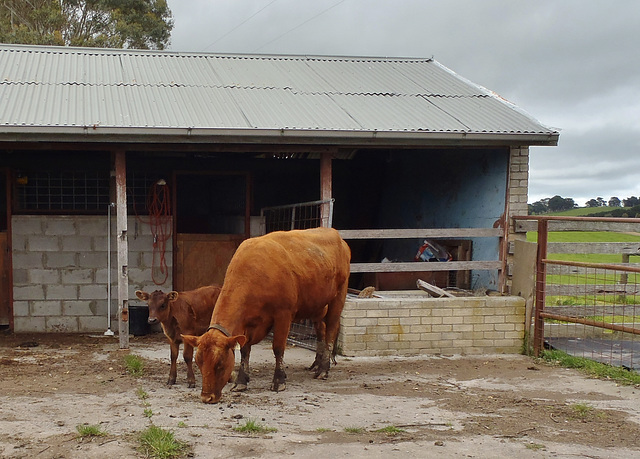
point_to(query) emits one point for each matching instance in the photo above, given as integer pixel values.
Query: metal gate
(302, 215)
(588, 309)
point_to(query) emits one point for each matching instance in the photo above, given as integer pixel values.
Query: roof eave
(97, 134)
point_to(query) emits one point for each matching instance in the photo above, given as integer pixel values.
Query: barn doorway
(5, 249)
(211, 219)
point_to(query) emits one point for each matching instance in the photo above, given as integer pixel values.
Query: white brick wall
(60, 271)
(417, 324)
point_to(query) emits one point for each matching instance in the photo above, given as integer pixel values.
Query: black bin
(138, 316)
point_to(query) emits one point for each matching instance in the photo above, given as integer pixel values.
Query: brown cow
(181, 312)
(271, 281)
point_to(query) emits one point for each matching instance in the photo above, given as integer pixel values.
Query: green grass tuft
(354, 430)
(85, 430)
(156, 442)
(592, 368)
(253, 426)
(134, 365)
(391, 430)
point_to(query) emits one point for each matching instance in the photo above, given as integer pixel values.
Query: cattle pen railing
(587, 294)
(427, 233)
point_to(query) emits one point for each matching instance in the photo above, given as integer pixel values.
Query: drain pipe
(109, 332)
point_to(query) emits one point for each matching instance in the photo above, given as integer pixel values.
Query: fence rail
(424, 233)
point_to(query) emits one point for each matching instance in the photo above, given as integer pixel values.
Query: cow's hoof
(171, 382)
(191, 385)
(278, 387)
(239, 388)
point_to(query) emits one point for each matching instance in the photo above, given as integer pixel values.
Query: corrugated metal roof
(51, 89)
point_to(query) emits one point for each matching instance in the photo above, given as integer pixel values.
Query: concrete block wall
(60, 275)
(417, 324)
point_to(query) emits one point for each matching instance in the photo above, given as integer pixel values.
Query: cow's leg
(187, 354)
(280, 334)
(173, 371)
(242, 379)
(332, 320)
(321, 329)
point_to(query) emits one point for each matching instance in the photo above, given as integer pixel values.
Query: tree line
(135, 24)
(558, 204)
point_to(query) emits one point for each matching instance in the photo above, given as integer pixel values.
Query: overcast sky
(573, 64)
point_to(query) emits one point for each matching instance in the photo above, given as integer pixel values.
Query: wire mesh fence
(592, 310)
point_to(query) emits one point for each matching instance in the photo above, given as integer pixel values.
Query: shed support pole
(123, 248)
(325, 186)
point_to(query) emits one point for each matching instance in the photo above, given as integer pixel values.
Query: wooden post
(325, 185)
(541, 275)
(123, 248)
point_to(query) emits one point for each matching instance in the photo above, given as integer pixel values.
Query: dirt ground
(446, 406)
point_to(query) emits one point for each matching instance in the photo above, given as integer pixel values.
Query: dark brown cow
(271, 281)
(181, 312)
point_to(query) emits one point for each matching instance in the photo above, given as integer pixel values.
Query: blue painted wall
(445, 189)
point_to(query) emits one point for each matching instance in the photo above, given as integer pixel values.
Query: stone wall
(60, 273)
(410, 323)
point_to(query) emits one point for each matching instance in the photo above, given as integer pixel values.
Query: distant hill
(600, 212)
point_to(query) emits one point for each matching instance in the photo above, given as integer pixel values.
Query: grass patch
(253, 426)
(142, 394)
(85, 430)
(354, 430)
(323, 430)
(148, 413)
(391, 430)
(581, 410)
(156, 442)
(592, 368)
(134, 365)
(534, 446)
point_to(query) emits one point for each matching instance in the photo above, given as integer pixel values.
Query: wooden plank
(423, 266)
(524, 281)
(123, 249)
(433, 290)
(433, 233)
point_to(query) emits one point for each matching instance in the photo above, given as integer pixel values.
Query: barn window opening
(69, 191)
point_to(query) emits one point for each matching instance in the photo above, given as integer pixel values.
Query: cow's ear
(172, 296)
(144, 296)
(239, 339)
(191, 340)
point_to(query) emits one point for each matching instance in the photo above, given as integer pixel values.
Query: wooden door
(202, 259)
(211, 220)
(5, 249)
(5, 297)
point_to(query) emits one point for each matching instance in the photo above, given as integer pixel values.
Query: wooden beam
(417, 266)
(421, 233)
(123, 248)
(326, 186)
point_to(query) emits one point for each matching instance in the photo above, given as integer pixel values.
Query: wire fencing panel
(592, 310)
(302, 215)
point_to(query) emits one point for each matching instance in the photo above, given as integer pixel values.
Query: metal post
(123, 249)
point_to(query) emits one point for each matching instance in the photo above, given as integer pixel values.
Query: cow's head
(215, 358)
(159, 304)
